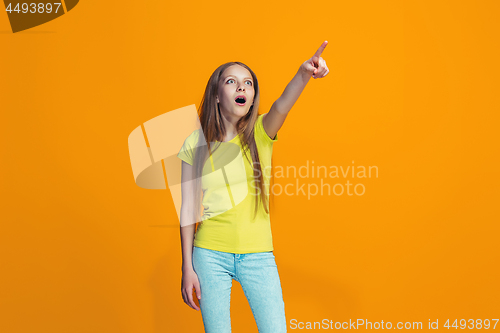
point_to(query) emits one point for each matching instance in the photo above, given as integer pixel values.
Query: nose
(241, 88)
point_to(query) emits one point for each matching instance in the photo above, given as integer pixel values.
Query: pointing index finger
(320, 50)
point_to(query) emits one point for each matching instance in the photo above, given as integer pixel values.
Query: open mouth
(240, 100)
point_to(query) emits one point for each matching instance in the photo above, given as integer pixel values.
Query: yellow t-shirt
(227, 222)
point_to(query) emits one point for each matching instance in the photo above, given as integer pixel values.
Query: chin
(244, 113)
(241, 112)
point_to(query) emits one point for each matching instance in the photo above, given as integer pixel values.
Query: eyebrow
(235, 76)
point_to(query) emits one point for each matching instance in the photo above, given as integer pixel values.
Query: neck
(230, 126)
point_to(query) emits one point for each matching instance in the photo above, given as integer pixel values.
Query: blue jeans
(258, 276)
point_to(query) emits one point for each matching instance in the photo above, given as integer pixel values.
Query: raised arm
(315, 67)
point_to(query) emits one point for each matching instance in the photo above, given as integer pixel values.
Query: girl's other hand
(316, 66)
(190, 281)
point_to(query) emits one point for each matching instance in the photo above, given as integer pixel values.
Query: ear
(217, 99)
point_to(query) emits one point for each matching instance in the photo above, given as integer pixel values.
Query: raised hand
(316, 66)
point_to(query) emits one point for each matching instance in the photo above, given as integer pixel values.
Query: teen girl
(233, 240)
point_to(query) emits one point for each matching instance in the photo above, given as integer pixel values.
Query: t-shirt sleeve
(261, 133)
(188, 148)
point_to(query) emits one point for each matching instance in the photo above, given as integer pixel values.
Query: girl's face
(236, 91)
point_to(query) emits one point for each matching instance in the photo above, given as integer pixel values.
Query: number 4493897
(33, 8)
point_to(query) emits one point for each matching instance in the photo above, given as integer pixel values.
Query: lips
(240, 100)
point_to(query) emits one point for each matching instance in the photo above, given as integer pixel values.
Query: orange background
(412, 89)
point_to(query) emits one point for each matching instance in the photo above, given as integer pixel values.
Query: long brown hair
(214, 130)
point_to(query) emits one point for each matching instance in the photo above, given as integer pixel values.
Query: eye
(250, 82)
(229, 80)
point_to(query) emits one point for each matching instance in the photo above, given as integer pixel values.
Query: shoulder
(259, 121)
(188, 148)
(260, 132)
(192, 141)
(193, 138)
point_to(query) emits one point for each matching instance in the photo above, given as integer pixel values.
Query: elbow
(280, 107)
